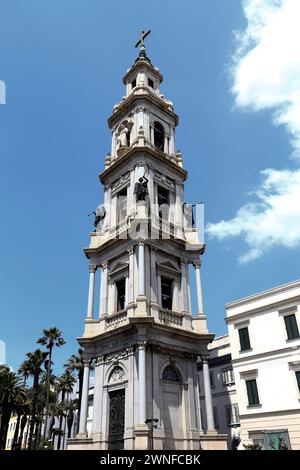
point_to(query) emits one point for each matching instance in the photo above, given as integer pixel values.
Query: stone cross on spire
(140, 42)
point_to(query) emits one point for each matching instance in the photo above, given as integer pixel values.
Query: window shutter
(291, 326)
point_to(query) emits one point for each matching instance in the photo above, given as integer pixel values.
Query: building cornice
(133, 151)
(264, 294)
(268, 355)
(141, 93)
(270, 307)
(269, 413)
(141, 64)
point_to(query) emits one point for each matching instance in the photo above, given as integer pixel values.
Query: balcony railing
(168, 317)
(115, 319)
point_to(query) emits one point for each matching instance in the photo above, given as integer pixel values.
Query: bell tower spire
(143, 340)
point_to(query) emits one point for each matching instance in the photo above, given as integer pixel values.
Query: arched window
(117, 375)
(159, 136)
(170, 374)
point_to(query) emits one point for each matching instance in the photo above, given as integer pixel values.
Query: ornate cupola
(144, 340)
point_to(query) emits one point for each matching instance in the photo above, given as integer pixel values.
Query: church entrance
(116, 419)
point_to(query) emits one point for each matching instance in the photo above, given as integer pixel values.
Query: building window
(291, 326)
(150, 83)
(297, 373)
(133, 84)
(163, 200)
(252, 392)
(232, 414)
(159, 135)
(121, 288)
(244, 339)
(271, 440)
(212, 379)
(170, 374)
(216, 418)
(166, 293)
(122, 205)
(227, 376)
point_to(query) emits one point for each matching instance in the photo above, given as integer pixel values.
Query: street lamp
(152, 423)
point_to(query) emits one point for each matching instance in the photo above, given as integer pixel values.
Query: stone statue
(141, 189)
(122, 140)
(99, 214)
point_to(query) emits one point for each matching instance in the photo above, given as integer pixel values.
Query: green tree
(70, 408)
(11, 392)
(75, 364)
(65, 386)
(24, 371)
(22, 408)
(36, 361)
(51, 337)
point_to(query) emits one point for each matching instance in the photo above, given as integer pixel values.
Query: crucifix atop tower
(141, 42)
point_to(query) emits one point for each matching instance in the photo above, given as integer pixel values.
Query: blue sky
(63, 62)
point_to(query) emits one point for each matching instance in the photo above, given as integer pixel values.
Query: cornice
(264, 294)
(136, 97)
(270, 307)
(139, 65)
(137, 150)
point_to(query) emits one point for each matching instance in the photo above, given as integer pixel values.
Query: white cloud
(266, 75)
(267, 63)
(273, 219)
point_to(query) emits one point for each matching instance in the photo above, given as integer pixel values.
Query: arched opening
(171, 374)
(159, 135)
(172, 406)
(116, 375)
(116, 409)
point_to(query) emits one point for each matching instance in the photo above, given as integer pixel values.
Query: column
(107, 205)
(184, 296)
(153, 274)
(131, 195)
(141, 267)
(198, 401)
(197, 265)
(90, 307)
(84, 397)
(207, 394)
(130, 252)
(97, 403)
(142, 381)
(172, 141)
(179, 205)
(103, 290)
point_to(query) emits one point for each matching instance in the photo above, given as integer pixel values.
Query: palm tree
(22, 407)
(35, 360)
(70, 408)
(24, 371)
(51, 338)
(65, 385)
(75, 363)
(11, 392)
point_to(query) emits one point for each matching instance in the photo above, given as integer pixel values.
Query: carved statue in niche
(141, 189)
(122, 137)
(123, 134)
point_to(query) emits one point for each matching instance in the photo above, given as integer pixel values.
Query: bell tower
(142, 340)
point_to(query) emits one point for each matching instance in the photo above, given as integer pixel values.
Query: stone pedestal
(199, 324)
(141, 434)
(213, 442)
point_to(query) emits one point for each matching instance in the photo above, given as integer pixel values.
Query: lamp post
(152, 423)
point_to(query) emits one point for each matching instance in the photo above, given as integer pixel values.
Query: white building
(265, 349)
(144, 340)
